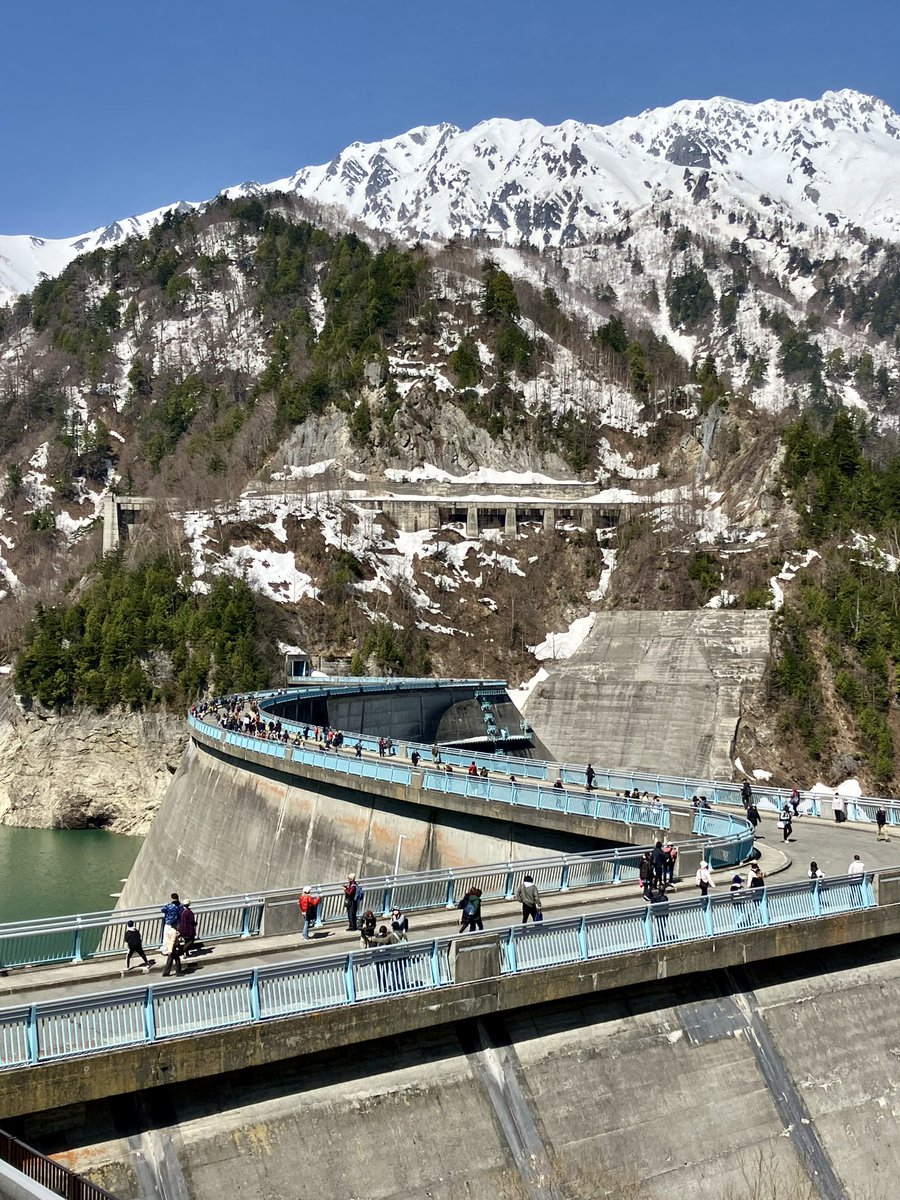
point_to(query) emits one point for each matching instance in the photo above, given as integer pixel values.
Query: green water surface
(51, 872)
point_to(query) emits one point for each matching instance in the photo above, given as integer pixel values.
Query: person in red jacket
(309, 907)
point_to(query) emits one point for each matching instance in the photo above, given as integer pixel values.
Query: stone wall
(87, 769)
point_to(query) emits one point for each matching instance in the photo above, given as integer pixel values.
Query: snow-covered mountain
(25, 259)
(830, 164)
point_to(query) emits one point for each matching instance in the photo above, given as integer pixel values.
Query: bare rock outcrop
(85, 769)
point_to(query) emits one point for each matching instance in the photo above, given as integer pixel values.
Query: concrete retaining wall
(404, 713)
(654, 691)
(639, 1082)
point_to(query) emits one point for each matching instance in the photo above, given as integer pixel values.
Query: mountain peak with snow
(831, 163)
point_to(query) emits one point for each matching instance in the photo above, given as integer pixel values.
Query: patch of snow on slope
(873, 554)
(268, 572)
(34, 481)
(308, 472)
(609, 565)
(563, 645)
(519, 695)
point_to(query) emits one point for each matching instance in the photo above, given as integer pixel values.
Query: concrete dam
(716, 1066)
(228, 827)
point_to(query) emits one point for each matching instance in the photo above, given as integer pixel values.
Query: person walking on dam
(471, 911)
(135, 946)
(881, 822)
(589, 776)
(530, 898)
(172, 911)
(705, 880)
(353, 895)
(171, 947)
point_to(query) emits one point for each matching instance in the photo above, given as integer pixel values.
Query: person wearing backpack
(353, 897)
(530, 899)
(471, 911)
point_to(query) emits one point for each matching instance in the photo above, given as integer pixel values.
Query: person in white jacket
(704, 878)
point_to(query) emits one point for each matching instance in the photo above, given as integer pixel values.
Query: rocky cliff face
(88, 769)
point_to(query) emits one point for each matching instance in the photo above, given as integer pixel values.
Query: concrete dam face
(767, 1081)
(225, 829)
(654, 691)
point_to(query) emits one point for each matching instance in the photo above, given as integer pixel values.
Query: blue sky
(113, 109)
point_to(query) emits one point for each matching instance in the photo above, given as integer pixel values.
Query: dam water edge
(52, 872)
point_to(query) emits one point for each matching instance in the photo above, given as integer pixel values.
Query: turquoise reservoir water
(49, 872)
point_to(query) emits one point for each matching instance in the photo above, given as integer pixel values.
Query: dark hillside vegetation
(838, 635)
(137, 637)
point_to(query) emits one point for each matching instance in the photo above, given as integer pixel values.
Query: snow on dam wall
(655, 691)
(228, 827)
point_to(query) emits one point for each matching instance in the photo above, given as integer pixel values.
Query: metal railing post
(245, 919)
(511, 958)
(32, 1035)
(254, 995)
(349, 980)
(76, 944)
(451, 893)
(564, 878)
(706, 901)
(507, 887)
(648, 927)
(435, 963)
(816, 899)
(582, 938)
(149, 1016)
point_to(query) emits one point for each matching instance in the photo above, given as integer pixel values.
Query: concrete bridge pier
(588, 518)
(472, 521)
(549, 519)
(510, 525)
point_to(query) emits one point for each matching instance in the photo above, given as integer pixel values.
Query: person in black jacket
(471, 911)
(187, 927)
(659, 860)
(135, 946)
(645, 874)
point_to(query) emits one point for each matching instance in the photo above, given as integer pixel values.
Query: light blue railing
(48, 1031)
(81, 936)
(100, 935)
(766, 799)
(527, 794)
(610, 779)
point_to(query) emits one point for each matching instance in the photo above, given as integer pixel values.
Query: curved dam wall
(229, 825)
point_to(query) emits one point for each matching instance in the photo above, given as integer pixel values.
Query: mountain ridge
(830, 165)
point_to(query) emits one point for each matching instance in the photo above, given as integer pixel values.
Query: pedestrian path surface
(831, 846)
